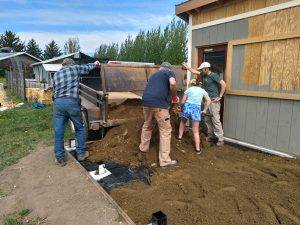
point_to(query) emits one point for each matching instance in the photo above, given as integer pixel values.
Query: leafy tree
(139, 47)
(155, 45)
(34, 49)
(72, 45)
(126, 49)
(12, 40)
(112, 51)
(52, 50)
(109, 52)
(101, 51)
(175, 35)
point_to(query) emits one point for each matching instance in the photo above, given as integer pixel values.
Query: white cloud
(88, 41)
(51, 17)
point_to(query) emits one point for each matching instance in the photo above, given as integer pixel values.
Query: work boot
(83, 157)
(61, 162)
(172, 163)
(209, 139)
(220, 143)
(141, 156)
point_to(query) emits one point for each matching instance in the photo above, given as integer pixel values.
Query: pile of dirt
(227, 185)
(128, 109)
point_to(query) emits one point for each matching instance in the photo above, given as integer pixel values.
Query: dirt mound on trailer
(227, 185)
(128, 109)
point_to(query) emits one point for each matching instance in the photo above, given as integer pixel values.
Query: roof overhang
(52, 67)
(183, 10)
(18, 54)
(75, 55)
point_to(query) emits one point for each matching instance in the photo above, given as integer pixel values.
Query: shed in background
(44, 71)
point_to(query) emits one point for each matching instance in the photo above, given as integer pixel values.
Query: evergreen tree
(72, 45)
(34, 49)
(12, 40)
(51, 50)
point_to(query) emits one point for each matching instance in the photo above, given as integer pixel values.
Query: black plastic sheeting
(121, 174)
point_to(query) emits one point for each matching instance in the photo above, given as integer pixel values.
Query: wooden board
(256, 26)
(255, 63)
(264, 94)
(290, 60)
(247, 65)
(284, 48)
(231, 8)
(266, 50)
(277, 64)
(265, 64)
(297, 78)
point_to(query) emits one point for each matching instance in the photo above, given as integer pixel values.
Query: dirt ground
(60, 196)
(227, 185)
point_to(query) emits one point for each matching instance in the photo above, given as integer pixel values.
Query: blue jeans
(65, 109)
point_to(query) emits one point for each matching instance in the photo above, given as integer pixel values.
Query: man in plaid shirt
(67, 106)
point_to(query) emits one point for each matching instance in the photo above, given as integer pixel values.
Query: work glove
(175, 99)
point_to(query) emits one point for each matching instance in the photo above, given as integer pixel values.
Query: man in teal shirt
(215, 86)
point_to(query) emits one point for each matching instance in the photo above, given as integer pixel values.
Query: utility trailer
(110, 82)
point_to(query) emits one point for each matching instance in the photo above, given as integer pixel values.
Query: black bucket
(159, 218)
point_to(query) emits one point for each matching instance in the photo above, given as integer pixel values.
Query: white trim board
(260, 148)
(189, 44)
(257, 12)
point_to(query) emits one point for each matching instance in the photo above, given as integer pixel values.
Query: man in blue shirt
(66, 106)
(160, 91)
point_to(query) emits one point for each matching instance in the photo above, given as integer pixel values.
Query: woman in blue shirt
(191, 110)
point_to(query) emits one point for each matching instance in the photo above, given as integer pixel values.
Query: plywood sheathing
(267, 47)
(251, 68)
(273, 63)
(231, 8)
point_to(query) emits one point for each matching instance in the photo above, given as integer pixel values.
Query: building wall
(221, 33)
(268, 122)
(271, 123)
(231, 8)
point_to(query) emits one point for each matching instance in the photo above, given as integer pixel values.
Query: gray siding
(271, 123)
(220, 33)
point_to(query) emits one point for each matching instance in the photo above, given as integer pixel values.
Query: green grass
(11, 96)
(3, 194)
(19, 218)
(16, 218)
(2, 80)
(21, 129)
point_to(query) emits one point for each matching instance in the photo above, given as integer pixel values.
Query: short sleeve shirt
(195, 95)
(211, 84)
(157, 92)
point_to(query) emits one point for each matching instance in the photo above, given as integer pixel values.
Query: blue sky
(93, 22)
